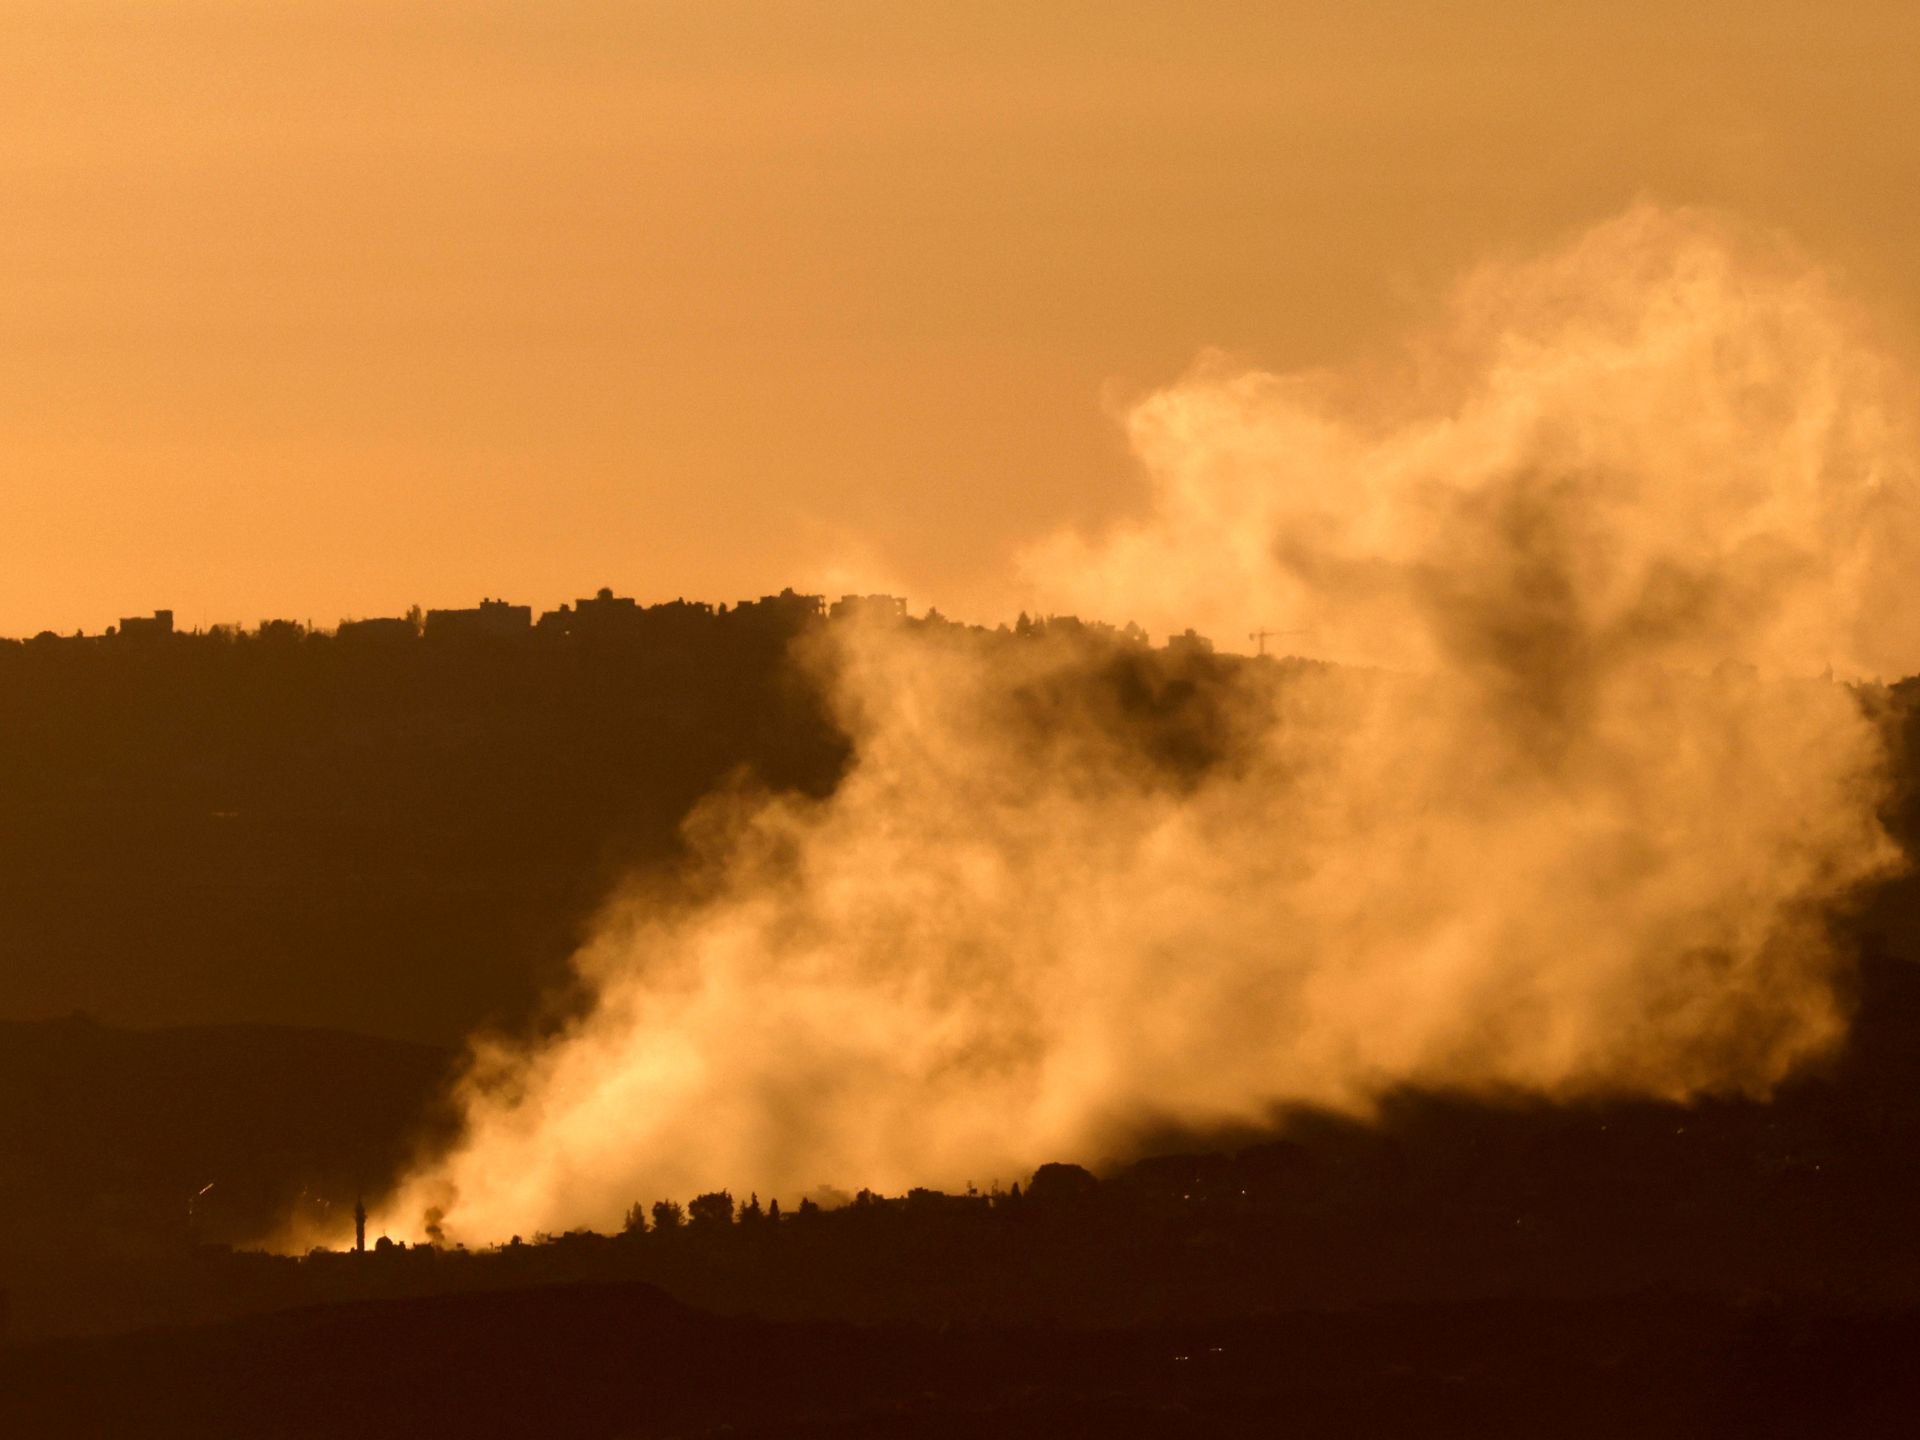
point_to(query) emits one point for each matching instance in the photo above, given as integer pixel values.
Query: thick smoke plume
(1568, 815)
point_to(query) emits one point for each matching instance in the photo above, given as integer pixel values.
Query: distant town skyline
(603, 600)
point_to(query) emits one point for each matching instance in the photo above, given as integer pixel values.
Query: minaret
(359, 1227)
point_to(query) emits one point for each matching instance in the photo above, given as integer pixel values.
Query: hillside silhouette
(406, 831)
(402, 834)
(406, 827)
(121, 1152)
(1804, 1198)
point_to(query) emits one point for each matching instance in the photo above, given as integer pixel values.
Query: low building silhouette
(600, 614)
(157, 626)
(382, 630)
(604, 607)
(787, 608)
(1189, 642)
(869, 607)
(489, 620)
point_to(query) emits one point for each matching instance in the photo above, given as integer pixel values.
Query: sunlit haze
(322, 309)
(807, 718)
(1570, 818)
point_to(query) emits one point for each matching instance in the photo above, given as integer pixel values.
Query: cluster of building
(601, 614)
(157, 626)
(605, 616)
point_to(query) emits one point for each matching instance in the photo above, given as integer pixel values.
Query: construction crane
(1260, 637)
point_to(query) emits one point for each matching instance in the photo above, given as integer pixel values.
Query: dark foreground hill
(1808, 1197)
(411, 839)
(334, 832)
(110, 1140)
(397, 839)
(625, 1361)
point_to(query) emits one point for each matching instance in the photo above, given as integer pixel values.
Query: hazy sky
(320, 309)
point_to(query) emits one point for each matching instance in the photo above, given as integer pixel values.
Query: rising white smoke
(1568, 817)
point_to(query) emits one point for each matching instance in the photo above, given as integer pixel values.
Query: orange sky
(323, 307)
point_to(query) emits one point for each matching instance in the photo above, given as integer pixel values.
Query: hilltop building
(776, 617)
(600, 614)
(869, 607)
(158, 626)
(789, 607)
(1189, 642)
(381, 630)
(605, 608)
(489, 620)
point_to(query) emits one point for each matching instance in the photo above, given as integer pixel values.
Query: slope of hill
(109, 1139)
(606, 1361)
(395, 840)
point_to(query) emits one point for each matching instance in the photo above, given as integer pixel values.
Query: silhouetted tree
(636, 1221)
(1059, 1183)
(712, 1211)
(667, 1215)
